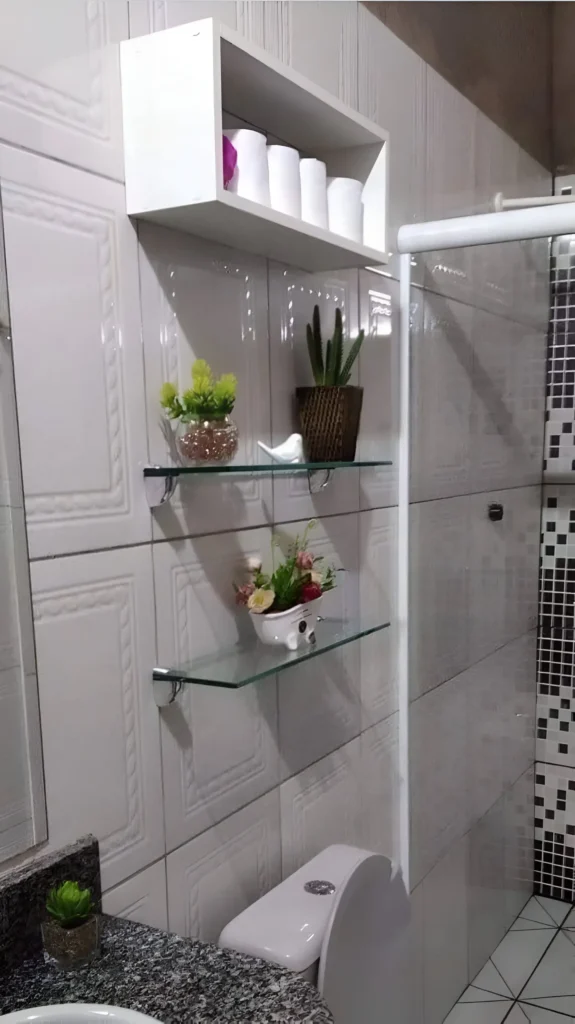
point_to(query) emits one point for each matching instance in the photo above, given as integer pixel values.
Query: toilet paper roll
(250, 179)
(344, 207)
(313, 178)
(285, 189)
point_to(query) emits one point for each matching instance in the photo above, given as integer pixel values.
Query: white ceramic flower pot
(291, 629)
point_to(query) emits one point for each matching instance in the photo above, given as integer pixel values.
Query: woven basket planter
(329, 419)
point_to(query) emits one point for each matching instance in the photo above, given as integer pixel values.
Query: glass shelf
(161, 481)
(273, 467)
(241, 665)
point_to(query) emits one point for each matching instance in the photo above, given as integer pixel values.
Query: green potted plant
(71, 933)
(206, 433)
(330, 412)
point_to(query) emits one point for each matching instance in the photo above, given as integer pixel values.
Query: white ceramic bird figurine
(291, 450)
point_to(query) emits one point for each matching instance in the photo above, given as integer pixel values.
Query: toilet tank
(288, 924)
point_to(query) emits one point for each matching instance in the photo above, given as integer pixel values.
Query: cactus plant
(330, 370)
(70, 905)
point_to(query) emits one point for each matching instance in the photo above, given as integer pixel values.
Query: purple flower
(230, 160)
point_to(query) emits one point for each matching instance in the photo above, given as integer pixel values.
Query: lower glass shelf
(246, 664)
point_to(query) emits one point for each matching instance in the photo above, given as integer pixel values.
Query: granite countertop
(178, 981)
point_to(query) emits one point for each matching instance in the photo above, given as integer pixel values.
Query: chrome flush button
(320, 888)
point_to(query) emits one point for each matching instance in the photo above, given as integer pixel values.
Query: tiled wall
(202, 807)
(555, 771)
(478, 397)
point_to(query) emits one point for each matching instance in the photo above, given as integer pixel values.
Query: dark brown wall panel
(564, 87)
(496, 54)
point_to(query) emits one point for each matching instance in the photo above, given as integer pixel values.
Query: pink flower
(304, 560)
(244, 593)
(230, 160)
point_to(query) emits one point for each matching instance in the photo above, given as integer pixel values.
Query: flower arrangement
(207, 399)
(298, 579)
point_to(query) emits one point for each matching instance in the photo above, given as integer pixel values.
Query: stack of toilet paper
(276, 176)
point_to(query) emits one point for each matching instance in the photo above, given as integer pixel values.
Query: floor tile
(521, 924)
(536, 912)
(517, 1016)
(557, 909)
(480, 1013)
(555, 975)
(539, 1015)
(562, 1004)
(479, 995)
(517, 956)
(569, 921)
(490, 980)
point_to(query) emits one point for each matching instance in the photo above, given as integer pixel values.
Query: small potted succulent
(284, 604)
(330, 412)
(206, 433)
(71, 933)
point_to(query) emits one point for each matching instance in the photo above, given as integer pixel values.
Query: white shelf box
(180, 88)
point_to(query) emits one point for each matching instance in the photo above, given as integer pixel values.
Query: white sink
(77, 1013)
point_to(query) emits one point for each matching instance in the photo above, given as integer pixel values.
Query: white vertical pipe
(403, 558)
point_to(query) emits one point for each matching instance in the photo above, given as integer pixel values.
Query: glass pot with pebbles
(71, 932)
(206, 435)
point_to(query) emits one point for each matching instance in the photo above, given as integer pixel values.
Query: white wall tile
(292, 296)
(438, 756)
(61, 82)
(450, 189)
(73, 280)
(392, 93)
(532, 265)
(497, 442)
(216, 876)
(496, 170)
(519, 837)
(94, 617)
(508, 379)
(503, 576)
(219, 747)
(378, 603)
(319, 702)
(381, 788)
(442, 376)
(161, 14)
(142, 898)
(201, 300)
(319, 39)
(445, 970)
(440, 593)
(321, 806)
(379, 377)
(487, 919)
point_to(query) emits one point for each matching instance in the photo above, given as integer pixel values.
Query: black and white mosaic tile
(560, 414)
(555, 735)
(554, 870)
